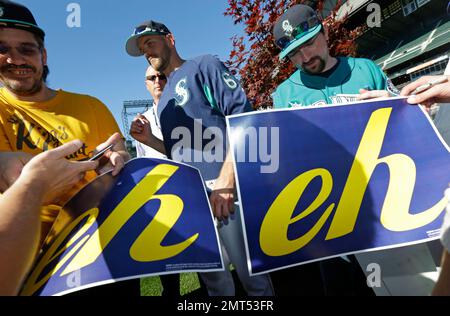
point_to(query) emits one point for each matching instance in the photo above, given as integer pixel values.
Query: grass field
(151, 286)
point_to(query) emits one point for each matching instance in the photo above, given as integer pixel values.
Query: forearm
(227, 171)
(442, 287)
(19, 232)
(156, 144)
(222, 195)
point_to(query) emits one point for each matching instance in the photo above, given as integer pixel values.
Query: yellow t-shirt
(34, 127)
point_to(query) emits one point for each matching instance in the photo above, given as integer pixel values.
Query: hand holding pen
(100, 153)
(428, 90)
(111, 155)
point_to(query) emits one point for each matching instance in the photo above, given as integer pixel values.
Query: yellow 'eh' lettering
(273, 234)
(395, 215)
(140, 195)
(33, 284)
(89, 248)
(148, 245)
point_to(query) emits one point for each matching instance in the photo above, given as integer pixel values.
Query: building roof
(435, 38)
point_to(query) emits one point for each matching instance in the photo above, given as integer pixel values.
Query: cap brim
(23, 26)
(132, 46)
(310, 34)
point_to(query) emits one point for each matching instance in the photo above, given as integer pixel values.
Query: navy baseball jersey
(192, 111)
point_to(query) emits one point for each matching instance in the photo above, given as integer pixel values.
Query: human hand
(222, 198)
(141, 129)
(372, 94)
(436, 93)
(52, 173)
(11, 165)
(115, 158)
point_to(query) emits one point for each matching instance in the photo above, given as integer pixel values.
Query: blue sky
(92, 59)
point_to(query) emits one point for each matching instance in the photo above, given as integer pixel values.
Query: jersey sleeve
(379, 77)
(277, 100)
(221, 88)
(383, 82)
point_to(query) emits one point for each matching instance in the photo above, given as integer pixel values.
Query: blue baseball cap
(145, 28)
(294, 27)
(15, 15)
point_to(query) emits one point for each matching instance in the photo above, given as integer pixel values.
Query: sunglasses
(144, 28)
(152, 78)
(303, 27)
(304, 45)
(23, 49)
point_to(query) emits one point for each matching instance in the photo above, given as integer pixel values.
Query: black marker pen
(101, 152)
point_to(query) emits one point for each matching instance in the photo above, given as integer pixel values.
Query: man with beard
(321, 78)
(199, 93)
(35, 118)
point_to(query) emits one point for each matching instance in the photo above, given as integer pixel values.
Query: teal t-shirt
(352, 74)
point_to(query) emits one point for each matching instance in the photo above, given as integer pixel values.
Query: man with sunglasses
(198, 95)
(143, 127)
(35, 118)
(321, 78)
(147, 123)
